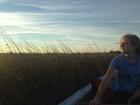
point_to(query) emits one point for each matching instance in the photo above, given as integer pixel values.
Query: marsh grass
(45, 76)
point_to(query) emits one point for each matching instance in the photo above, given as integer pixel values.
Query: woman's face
(126, 46)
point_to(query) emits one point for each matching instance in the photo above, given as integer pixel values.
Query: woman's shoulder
(138, 58)
(116, 62)
(118, 57)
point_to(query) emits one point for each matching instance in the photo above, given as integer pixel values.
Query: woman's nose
(122, 45)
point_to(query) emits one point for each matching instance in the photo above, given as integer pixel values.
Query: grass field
(45, 76)
(47, 79)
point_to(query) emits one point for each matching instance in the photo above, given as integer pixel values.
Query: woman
(123, 74)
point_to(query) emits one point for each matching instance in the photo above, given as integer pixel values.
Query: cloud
(2, 0)
(10, 19)
(80, 20)
(53, 7)
(79, 2)
(26, 23)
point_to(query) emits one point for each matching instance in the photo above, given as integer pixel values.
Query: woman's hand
(95, 101)
(129, 102)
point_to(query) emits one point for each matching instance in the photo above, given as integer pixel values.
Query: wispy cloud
(53, 7)
(83, 20)
(4, 0)
(79, 2)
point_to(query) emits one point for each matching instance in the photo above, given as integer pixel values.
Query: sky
(76, 23)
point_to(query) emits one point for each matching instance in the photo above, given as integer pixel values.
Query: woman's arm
(103, 85)
(134, 96)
